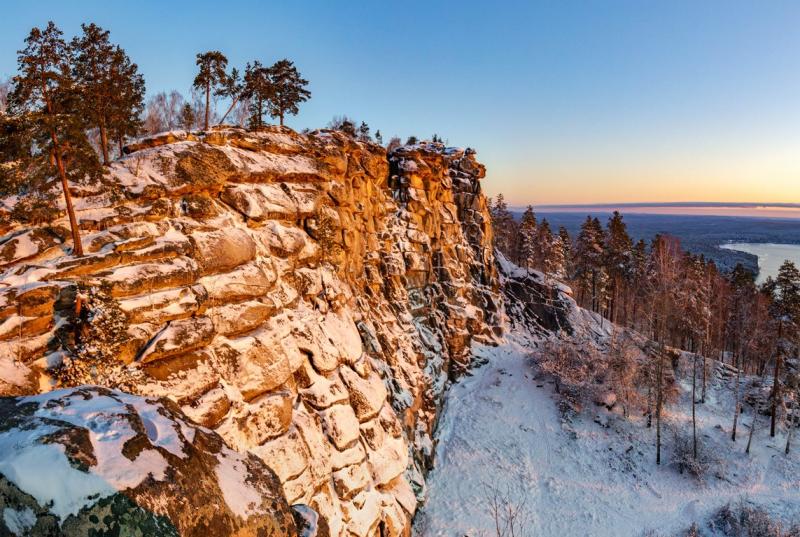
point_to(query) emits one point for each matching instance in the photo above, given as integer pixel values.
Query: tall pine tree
(288, 90)
(46, 96)
(526, 239)
(211, 77)
(112, 90)
(257, 89)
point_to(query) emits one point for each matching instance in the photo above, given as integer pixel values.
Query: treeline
(675, 298)
(72, 104)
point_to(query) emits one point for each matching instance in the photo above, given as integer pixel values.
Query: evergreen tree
(526, 239)
(787, 313)
(566, 250)
(617, 259)
(127, 106)
(589, 261)
(258, 90)
(188, 118)
(211, 76)
(545, 254)
(287, 90)
(787, 292)
(111, 88)
(504, 227)
(363, 132)
(411, 140)
(378, 137)
(45, 95)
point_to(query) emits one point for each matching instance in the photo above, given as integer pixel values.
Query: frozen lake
(770, 256)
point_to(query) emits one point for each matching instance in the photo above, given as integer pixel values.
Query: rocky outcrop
(93, 461)
(307, 297)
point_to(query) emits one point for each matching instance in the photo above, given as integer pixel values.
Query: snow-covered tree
(526, 238)
(504, 226)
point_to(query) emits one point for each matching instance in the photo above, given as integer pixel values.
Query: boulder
(110, 463)
(222, 250)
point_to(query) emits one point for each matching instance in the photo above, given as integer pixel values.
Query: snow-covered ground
(501, 429)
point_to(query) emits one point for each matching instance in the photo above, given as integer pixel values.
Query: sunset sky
(566, 102)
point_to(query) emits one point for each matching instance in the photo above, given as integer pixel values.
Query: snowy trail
(500, 428)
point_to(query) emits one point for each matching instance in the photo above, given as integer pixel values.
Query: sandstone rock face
(308, 297)
(94, 461)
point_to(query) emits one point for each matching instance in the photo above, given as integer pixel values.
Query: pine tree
(257, 89)
(617, 259)
(505, 228)
(112, 90)
(211, 76)
(378, 137)
(188, 118)
(288, 90)
(566, 250)
(589, 261)
(412, 140)
(526, 239)
(45, 94)
(543, 251)
(363, 132)
(127, 106)
(787, 313)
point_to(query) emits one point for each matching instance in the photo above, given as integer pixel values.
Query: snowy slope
(501, 429)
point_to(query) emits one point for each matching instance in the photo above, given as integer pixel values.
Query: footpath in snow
(501, 429)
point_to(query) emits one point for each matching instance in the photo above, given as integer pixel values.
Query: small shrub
(684, 459)
(744, 520)
(100, 329)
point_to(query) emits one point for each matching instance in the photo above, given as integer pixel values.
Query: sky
(618, 101)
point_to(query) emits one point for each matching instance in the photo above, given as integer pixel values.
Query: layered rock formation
(308, 297)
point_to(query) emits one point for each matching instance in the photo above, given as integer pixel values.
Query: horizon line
(678, 204)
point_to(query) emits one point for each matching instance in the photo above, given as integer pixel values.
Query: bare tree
(5, 89)
(507, 505)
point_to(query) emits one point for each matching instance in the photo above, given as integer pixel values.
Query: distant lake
(770, 256)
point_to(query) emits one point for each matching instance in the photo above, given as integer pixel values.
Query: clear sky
(565, 101)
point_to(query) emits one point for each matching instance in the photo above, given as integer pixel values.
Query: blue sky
(566, 102)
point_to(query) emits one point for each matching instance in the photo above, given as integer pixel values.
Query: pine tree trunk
(659, 401)
(119, 143)
(77, 248)
(228, 111)
(752, 428)
(775, 395)
(104, 144)
(703, 390)
(737, 405)
(281, 116)
(791, 429)
(208, 102)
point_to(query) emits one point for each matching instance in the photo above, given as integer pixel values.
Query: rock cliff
(307, 297)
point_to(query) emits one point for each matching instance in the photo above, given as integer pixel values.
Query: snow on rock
(92, 460)
(309, 297)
